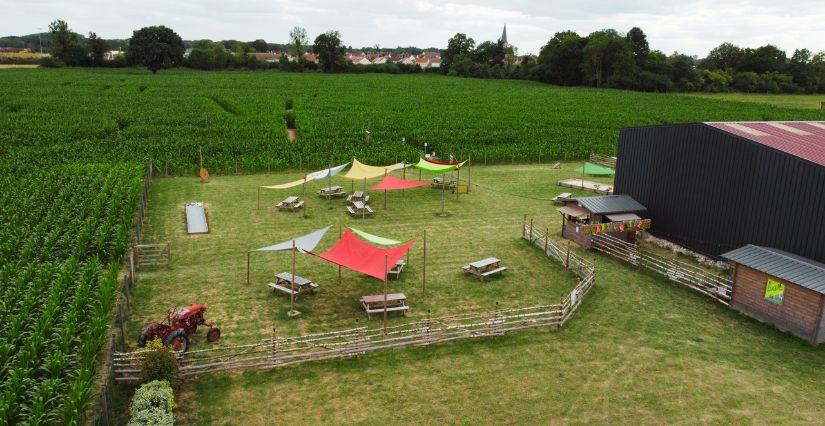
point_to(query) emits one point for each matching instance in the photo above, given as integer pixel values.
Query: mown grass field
(236, 119)
(641, 350)
(785, 101)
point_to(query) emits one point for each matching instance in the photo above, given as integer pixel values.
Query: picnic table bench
(396, 270)
(359, 209)
(485, 267)
(440, 183)
(374, 304)
(353, 199)
(331, 192)
(561, 198)
(290, 203)
(283, 283)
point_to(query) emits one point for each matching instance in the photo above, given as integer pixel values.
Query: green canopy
(595, 170)
(375, 239)
(428, 166)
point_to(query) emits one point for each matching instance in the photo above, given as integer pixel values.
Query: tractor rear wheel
(213, 334)
(177, 340)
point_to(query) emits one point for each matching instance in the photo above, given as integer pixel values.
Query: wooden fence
(152, 254)
(280, 351)
(694, 277)
(603, 160)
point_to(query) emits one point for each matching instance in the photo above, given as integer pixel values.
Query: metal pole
(339, 266)
(385, 191)
(247, 267)
(424, 267)
(259, 198)
(384, 328)
(443, 182)
(305, 187)
(329, 174)
(457, 182)
(292, 311)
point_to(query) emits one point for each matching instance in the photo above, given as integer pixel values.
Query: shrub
(289, 118)
(152, 404)
(288, 104)
(51, 62)
(158, 363)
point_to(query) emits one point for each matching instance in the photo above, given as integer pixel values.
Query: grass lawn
(639, 350)
(785, 101)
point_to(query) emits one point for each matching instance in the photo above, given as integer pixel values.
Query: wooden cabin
(616, 215)
(780, 288)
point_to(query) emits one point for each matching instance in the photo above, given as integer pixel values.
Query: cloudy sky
(689, 26)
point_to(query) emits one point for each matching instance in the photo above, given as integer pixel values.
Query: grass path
(640, 350)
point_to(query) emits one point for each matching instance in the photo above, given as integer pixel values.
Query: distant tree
(560, 60)
(259, 45)
(156, 48)
(459, 44)
(298, 42)
(97, 48)
(726, 56)
(65, 46)
(818, 65)
(683, 72)
(607, 58)
(638, 44)
(802, 70)
(330, 52)
(489, 53)
(768, 58)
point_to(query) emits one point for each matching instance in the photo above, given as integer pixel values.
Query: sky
(688, 26)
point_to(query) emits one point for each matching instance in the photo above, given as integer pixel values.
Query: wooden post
(469, 172)
(443, 182)
(531, 230)
(274, 344)
(546, 235)
(384, 327)
(404, 176)
(523, 226)
(329, 174)
(424, 267)
(385, 191)
(457, 182)
(259, 198)
(292, 311)
(305, 187)
(567, 258)
(247, 266)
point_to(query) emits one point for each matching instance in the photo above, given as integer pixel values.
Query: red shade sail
(392, 183)
(353, 253)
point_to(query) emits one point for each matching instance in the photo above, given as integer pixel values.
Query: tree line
(610, 59)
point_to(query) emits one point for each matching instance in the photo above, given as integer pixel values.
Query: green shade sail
(375, 239)
(435, 167)
(595, 170)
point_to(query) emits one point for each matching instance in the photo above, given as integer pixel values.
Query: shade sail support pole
(384, 327)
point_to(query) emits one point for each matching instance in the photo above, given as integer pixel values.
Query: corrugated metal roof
(803, 139)
(603, 204)
(788, 266)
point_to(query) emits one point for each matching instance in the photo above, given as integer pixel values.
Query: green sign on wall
(774, 291)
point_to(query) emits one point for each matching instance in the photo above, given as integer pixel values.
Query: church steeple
(503, 38)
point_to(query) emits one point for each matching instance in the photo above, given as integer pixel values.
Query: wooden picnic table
(331, 192)
(396, 270)
(284, 283)
(359, 209)
(290, 203)
(352, 199)
(441, 183)
(374, 304)
(485, 267)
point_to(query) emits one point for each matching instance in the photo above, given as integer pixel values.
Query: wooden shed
(780, 288)
(617, 215)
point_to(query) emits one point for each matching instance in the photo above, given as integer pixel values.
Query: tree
(726, 56)
(156, 48)
(638, 44)
(560, 60)
(259, 45)
(768, 58)
(298, 45)
(459, 44)
(97, 47)
(330, 52)
(489, 53)
(683, 72)
(802, 70)
(64, 43)
(607, 58)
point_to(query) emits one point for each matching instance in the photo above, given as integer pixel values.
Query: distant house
(435, 63)
(380, 60)
(112, 54)
(359, 59)
(267, 56)
(423, 62)
(311, 57)
(407, 60)
(187, 52)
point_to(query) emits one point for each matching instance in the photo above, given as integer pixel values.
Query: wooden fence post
(523, 226)
(546, 235)
(531, 231)
(567, 258)
(274, 345)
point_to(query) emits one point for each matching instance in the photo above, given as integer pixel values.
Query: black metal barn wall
(713, 192)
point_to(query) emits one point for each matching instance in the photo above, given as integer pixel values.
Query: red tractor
(177, 328)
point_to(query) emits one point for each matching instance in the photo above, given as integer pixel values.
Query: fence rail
(280, 351)
(152, 254)
(603, 160)
(690, 276)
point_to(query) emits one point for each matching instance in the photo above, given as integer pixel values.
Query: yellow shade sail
(360, 170)
(286, 185)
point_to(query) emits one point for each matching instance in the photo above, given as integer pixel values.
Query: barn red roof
(803, 139)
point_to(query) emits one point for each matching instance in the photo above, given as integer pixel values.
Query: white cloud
(690, 26)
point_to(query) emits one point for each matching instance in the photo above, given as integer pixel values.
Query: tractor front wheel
(143, 338)
(213, 334)
(177, 340)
